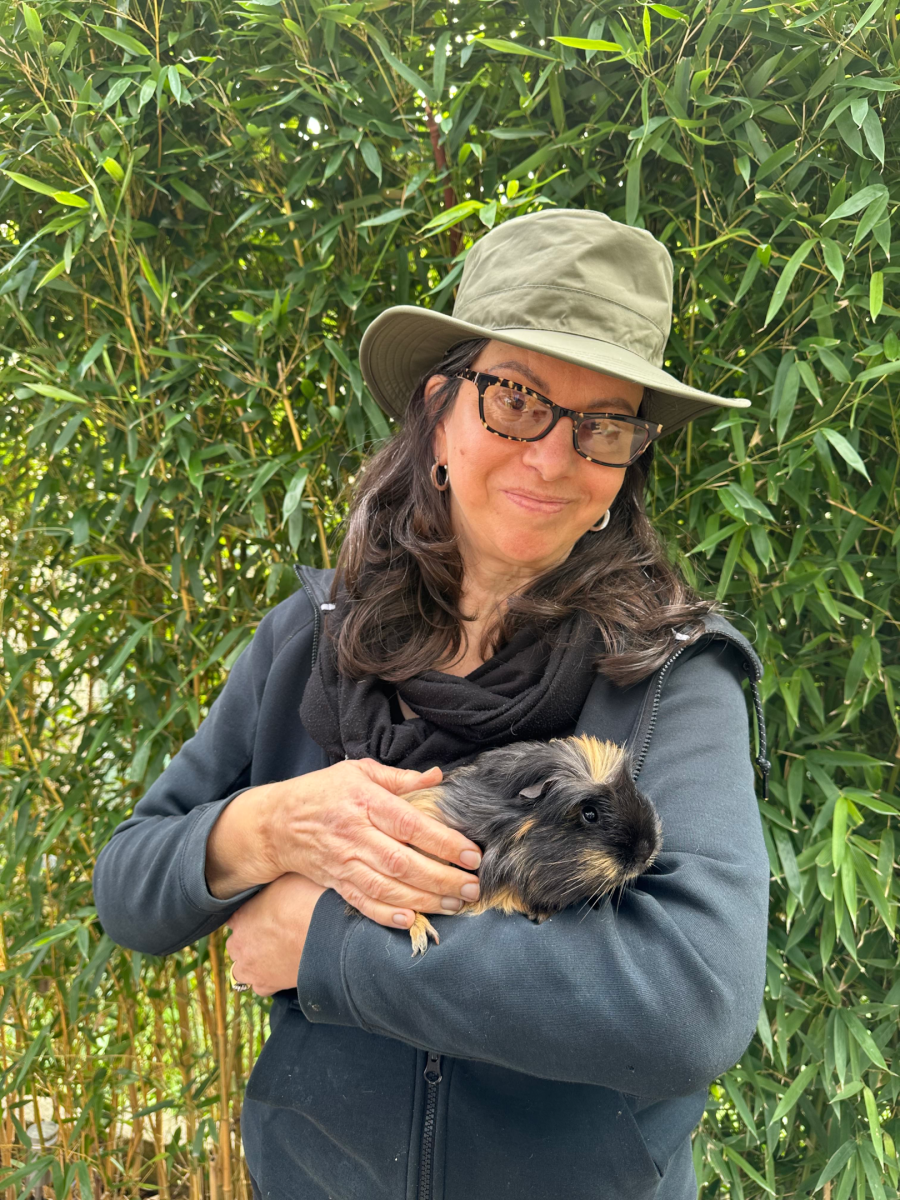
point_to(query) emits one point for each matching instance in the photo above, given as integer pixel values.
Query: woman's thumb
(397, 780)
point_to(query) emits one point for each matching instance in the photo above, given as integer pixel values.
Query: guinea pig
(558, 822)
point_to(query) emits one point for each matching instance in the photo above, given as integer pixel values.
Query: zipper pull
(433, 1074)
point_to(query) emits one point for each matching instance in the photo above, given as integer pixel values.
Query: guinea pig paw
(419, 932)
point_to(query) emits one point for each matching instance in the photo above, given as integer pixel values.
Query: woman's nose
(553, 455)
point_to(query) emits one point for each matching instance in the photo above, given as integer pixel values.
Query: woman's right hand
(347, 828)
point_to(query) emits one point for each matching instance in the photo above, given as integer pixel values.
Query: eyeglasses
(520, 414)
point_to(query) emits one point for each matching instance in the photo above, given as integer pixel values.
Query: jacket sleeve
(655, 997)
(149, 881)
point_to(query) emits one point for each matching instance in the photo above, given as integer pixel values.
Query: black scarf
(533, 687)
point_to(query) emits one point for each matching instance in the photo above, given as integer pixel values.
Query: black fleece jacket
(566, 1060)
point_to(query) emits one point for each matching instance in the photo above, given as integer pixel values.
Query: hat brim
(405, 342)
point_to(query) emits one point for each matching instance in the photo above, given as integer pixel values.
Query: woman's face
(518, 508)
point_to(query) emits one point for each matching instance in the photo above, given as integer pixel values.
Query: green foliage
(203, 206)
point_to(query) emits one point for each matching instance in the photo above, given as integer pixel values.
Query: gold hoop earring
(441, 485)
(602, 524)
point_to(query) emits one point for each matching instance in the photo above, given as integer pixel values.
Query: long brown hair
(402, 573)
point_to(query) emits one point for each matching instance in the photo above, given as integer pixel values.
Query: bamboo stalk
(219, 984)
(295, 432)
(195, 1177)
(162, 1182)
(7, 1131)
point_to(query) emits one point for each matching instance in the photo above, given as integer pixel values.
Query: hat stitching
(586, 337)
(561, 288)
(398, 359)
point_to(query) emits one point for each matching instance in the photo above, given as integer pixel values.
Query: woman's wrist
(240, 850)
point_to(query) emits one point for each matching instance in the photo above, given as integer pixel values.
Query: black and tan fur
(529, 807)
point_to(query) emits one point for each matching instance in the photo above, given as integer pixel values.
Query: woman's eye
(608, 430)
(589, 815)
(515, 401)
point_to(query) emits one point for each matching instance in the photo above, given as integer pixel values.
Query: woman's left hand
(269, 933)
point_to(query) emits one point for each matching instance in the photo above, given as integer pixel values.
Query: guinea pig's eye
(588, 814)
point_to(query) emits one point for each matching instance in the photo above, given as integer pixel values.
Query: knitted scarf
(533, 687)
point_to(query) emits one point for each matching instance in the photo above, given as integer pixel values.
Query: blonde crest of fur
(599, 759)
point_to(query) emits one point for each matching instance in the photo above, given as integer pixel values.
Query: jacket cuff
(192, 870)
(321, 986)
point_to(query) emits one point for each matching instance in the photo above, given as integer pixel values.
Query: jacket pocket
(515, 1135)
(331, 1102)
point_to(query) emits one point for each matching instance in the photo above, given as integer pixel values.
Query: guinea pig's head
(579, 828)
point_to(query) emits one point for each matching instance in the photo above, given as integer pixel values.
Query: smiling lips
(537, 504)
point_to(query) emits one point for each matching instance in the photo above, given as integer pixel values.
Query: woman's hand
(269, 933)
(346, 827)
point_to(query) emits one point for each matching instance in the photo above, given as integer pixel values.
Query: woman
(499, 581)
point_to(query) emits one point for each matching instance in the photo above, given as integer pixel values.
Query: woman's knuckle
(353, 896)
(380, 889)
(407, 824)
(396, 863)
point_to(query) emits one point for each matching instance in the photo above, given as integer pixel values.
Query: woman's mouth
(536, 504)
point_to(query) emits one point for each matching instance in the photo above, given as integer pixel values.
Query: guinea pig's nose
(643, 852)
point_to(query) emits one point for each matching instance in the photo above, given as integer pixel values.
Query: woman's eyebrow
(610, 403)
(522, 369)
(536, 381)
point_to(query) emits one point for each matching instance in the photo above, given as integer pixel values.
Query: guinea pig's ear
(533, 792)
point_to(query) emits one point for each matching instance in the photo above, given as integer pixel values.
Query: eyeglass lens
(519, 415)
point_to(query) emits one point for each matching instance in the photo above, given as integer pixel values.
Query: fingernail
(470, 858)
(469, 891)
(401, 919)
(451, 903)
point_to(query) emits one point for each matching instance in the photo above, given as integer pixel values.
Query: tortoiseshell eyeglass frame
(482, 381)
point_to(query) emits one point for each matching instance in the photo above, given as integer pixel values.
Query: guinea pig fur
(559, 823)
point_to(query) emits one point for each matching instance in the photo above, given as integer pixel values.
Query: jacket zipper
(317, 619)
(426, 1159)
(761, 761)
(654, 711)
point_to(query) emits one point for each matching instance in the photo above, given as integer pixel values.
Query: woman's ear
(432, 387)
(439, 441)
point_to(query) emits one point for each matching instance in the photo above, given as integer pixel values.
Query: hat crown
(571, 271)
(566, 283)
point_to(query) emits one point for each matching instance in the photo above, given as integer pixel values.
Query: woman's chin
(530, 554)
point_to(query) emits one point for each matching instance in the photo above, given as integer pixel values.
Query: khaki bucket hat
(569, 283)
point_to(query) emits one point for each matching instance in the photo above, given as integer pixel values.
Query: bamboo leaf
(839, 831)
(33, 25)
(589, 44)
(863, 198)
(846, 451)
(507, 47)
(370, 158)
(189, 193)
(791, 267)
(70, 199)
(876, 294)
(750, 1172)
(794, 1092)
(837, 1161)
(55, 271)
(294, 493)
(412, 78)
(56, 393)
(834, 260)
(863, 1038)
(33, 185)
(665, 10)
(125, 41)
(386, 218)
